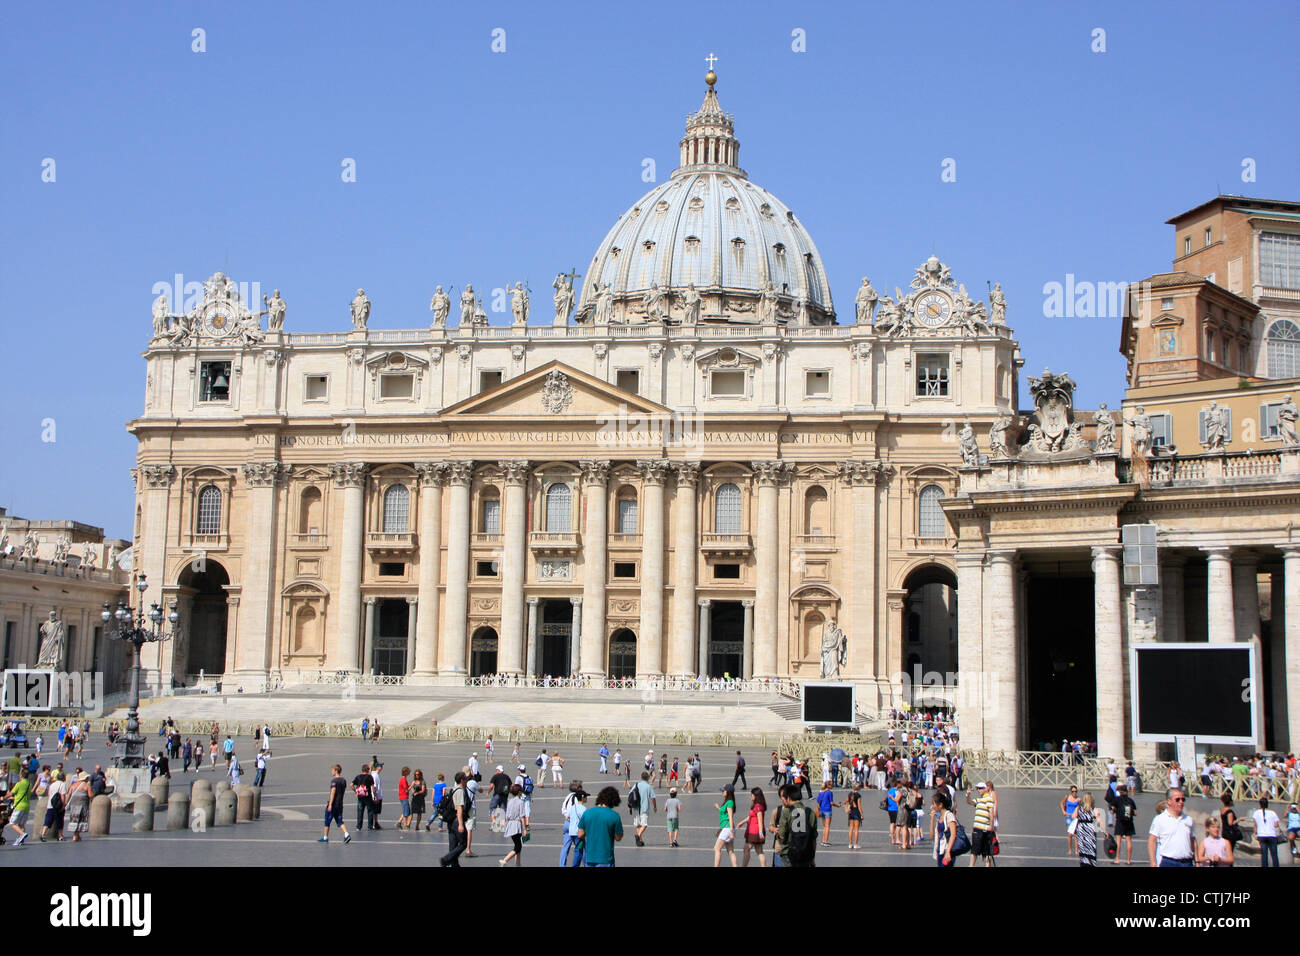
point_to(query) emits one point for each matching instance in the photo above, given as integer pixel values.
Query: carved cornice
(265, 474)
(348, 474)
(460, 473)
(432, 473)
(514, 470)
(158, 476)
(594, 471)
(654, 471)
(772, 472)
(688, 472)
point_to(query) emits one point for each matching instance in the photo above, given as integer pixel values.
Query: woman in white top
(557, 770)
(516, 825)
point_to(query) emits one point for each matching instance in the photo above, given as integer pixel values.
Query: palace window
(726, 572)
(396, 386)
(1268, 422)
(214, 381)
(559, 511)
(491, 515)
(817, 384)
(727, 384)
(1167, 304)
(1162, 430)
(316, 388)
(726, 510)
(1208, 233)
(931, 376)
(209, 511)
(309, 511)
(931, 524)
(1187, 245)
(816, 511)
(490, 378)
(1283, 349)
(625, 569)
(397, 509)
(1279, 260)
(626, 520)
(629, 380)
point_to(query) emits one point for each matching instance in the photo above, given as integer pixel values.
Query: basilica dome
(748, 257)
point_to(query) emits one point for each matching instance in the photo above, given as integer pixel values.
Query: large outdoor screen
(829, 705)
(1204, 691)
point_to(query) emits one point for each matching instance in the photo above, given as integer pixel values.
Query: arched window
(627, 510)
(309, 511)
(209, 511)
(559, 511)
(932, 524)
(816, 511)
(726, 510)
(397, 509)
(490, 513)
(1283, 349)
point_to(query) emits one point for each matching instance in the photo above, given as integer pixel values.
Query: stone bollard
(220, 787)
(227, 803)
(244, 803)
(203, 811)
(101, 815)
(257, 802)
(159, 789)
(201, 788)
(142, 814)
(178, 812)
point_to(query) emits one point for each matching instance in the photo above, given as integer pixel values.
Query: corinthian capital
(772, 472)
(654, 471)
(515, 470)
(688, 472)
(432, 473)
(265, 474)
(460, 472)
(158, 476)
(348, 474)
(857, 474)
(594, 471)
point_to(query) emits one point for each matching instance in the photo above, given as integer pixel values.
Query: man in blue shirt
(600, 828)
(604, 755)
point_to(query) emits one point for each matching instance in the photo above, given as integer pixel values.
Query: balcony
(625, 541)
(310, 541)
(814, 542)
(485, 540)
(734, 544)
(554, 542)
(390, 542)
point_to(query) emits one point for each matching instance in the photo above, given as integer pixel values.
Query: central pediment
(558, 392)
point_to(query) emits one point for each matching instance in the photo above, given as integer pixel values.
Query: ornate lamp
(145, 627)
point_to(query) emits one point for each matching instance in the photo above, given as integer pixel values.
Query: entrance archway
(555, 634)
(930, 623)
(622, 654)
(726, 639)
(483, 652)
(205, 647)
(389, 654)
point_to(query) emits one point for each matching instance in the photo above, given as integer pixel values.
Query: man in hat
(1292, 826)
(981, 838)
(500, 784)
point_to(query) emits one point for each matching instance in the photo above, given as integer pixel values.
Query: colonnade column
(595, 558)
(1221, 627)
(412, 617)
(770, 475)
(1109, 649)
(368, 639)
(425, 650)
(747, 661)
(253, 655)
(531, 667)
(575, 640)
(452, 648)
(1245, 598)
(970, 647)
(350, 479)
(1002, 713)
(685, 561)
(703, 660)
(1291, 617)
(1172, 600)
(513, 566)
(649, 656)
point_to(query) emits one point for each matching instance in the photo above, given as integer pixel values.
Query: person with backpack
(526, 786)
(453, 811)
(796, 830)
(543, 761)
(946, 830)
(439, 788)
(362, 785)
(640, 800)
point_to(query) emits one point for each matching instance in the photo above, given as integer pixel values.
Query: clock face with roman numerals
(933, 309)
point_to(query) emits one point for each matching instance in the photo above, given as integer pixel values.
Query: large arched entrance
(205, 644)
(622, 654)
(930, 625)
(555, 634)
(483, 652)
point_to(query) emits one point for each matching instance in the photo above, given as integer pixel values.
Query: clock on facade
(933, 309)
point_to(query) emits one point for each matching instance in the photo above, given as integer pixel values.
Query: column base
(422, 679)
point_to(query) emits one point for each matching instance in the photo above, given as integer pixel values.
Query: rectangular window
(1200, 425)
(392, 569)
(1268, 425)
(9, 643)
(624, 569)
(94, 650)
(491, 516)
(485, 569)
(489, 379)
(1167, 304)
(214, 381)
(627, 516)
(396, 386)
(1279, 260)
(817, 384)
(629, 380)
(316, 388)
(931, 376)
(727, 384)
(1162, 430)
(722, 572)
(1187, 245)
(1208, 233)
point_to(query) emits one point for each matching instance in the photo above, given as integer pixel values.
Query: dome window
(733, 204)
(661, 206)
(765, 210)
(779, 248)
(692, 243)
(789, 217)
(614, 253)
(696, 204)
(648, 245)
(636, 211)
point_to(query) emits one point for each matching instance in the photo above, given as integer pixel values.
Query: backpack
(538, 761)
(634, 799)
(803, 843)
(447, 809)
(527, 785)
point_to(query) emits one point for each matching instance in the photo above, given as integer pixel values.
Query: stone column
(1291, 629)
(1173, 599)
(860, 478)
(681, 639)
(513, 566)
(769, 475)
(424, 648)
(1245, 598)
(1221, 627)
(970, 647)
(154, 498)
(1109, 647)
(453, 647)
(412, 616)
(649, 652)
(368, 640)
(350, 479)
(1002, 715)
(703, 661)
(531, 669)
(575, 639)
(595, 560)
(747, 665)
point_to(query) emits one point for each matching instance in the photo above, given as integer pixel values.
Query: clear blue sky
(482, 167)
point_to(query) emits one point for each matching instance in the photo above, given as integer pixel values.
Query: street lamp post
(145, 627)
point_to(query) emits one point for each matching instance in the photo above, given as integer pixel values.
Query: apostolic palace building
(694, 464)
